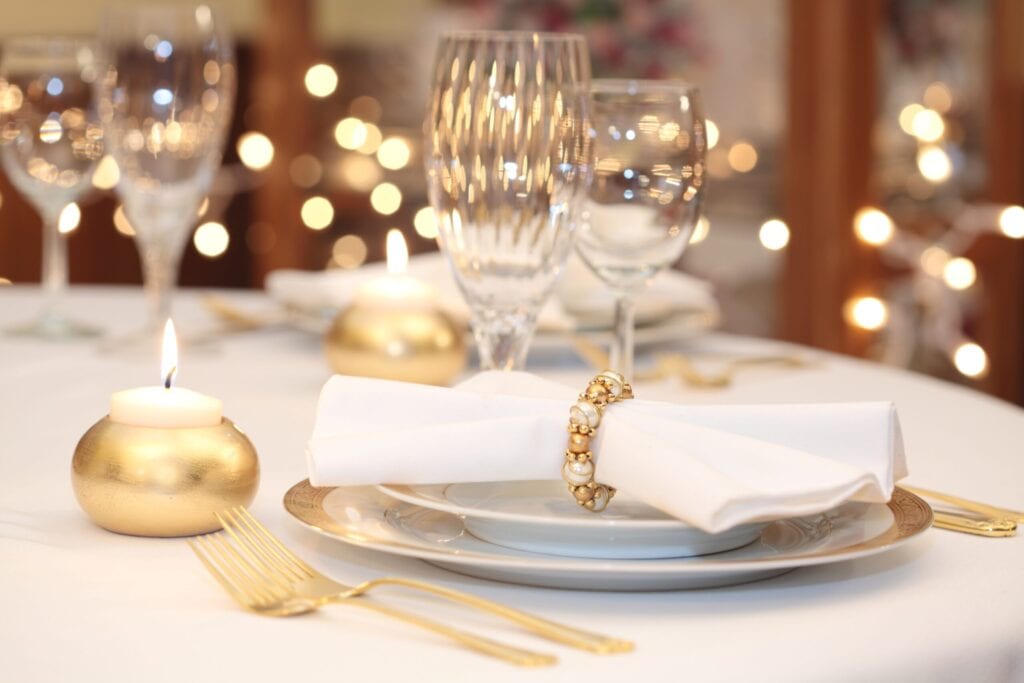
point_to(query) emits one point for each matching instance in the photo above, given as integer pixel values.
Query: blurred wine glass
(51, 141)
(167, 96)
(645, 198)
(508, 161)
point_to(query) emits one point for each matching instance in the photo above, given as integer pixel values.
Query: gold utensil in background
(987, 520)
(966, 504)
(281, 571)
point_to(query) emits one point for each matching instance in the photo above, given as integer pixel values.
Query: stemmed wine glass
(167, 97)
(51, 141)
(645, 198)
(508, 162)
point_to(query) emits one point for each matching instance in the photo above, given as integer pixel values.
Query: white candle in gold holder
(394, 329)
(164, 460)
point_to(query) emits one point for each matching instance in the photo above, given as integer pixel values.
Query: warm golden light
(712, 132)
(169, 355)
(107, 174)
(204, 206)
(866, 312)
(700, 231)
(372, 140)
(934, 260)
(928, 126)
(366, 108)
(321, 80)
(937, 96)
(397, 252)
(317, 213)
(359, 172)
(386, 198)
(70, 217)
(425, 222)
(907, 115)
(393, 153)
(349, 251)
(873, 226)
(4, 281)
(959, 273)
(121, 223)
(774, 234)
(970, 360)
(255, 150)
(742, 157)
(350, 133)
(934, 164)
(1011, 222)
(211, 239)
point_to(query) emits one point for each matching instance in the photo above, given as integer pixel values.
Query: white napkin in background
(581, 296)
(711, 466)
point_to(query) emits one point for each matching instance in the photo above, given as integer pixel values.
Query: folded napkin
(582, 300)
(711, 466)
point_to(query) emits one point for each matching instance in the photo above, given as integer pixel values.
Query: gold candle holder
(422, 345)
(163, 481)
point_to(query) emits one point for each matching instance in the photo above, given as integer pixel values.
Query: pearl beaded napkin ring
(584, 417)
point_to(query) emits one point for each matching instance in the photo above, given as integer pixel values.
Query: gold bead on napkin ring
(584, 417)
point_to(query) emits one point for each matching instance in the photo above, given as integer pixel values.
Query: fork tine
(247, 574)
(237, 594)
(255, 549)
(270, 538)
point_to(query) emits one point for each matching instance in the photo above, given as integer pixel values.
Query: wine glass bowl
(508, 162)
(168, 91)
(50, 142)
(647, 189)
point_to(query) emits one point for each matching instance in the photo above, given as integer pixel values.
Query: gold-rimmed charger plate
(362, 516)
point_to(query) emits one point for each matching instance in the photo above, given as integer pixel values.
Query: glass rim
(513, 36)
(623, 86)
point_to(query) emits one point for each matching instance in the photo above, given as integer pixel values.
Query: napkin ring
(584, 417)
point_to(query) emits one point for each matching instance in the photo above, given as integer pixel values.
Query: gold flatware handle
(991, 528)
(967, 504)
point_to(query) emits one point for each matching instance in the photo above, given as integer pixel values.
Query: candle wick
(170, 376)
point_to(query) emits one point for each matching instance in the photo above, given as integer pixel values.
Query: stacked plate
(532, 533)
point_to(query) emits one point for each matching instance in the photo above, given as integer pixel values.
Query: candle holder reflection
(163, 481)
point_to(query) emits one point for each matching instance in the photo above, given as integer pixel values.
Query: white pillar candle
(165, 406)
(397, 289)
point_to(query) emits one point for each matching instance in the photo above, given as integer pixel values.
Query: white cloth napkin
(581, 299)
(712, 466)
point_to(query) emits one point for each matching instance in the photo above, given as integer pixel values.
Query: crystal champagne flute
(646, 195)
(51, 141)
(168, 92)
(508, 162)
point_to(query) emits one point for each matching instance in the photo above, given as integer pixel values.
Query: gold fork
(265, 549)
(252, 588)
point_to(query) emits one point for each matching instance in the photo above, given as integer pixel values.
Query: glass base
(56, 327)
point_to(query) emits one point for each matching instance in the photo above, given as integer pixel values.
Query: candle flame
(397, 252)
(169, 356)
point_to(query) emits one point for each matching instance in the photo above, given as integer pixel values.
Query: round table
(83, 604)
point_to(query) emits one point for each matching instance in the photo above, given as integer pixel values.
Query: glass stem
(159, 275)
(622, 349)
(55, 265)
(502, 337)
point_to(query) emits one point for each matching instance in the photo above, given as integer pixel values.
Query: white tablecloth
(80, 604)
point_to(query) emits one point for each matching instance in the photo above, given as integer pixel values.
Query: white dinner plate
(364, 517)
(542, 517)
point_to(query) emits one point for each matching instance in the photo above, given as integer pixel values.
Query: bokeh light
(360, 173)
(366, 108)
(211, 239)
(350, 133)
(970, 360)
(373, 139)
(386, 198)
(934, 260)
(121, 223)
(700, 231)
(928, 126)
(907, 115)
(394, 153)
(107, 174)
(866, 312)
(959, 273)
(742, 157)
(425, 223)
(317, 213)
(873, 226)
(321, 80)
(305, 170)
(934, 164)
(712, 133)
(1011, 222)
(774, 234)
(255, 150)
(938, 96)
(349, 251)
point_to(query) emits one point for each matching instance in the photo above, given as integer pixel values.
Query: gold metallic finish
(978, 526)
(412, 345)
(261, 575)
(584, 417)
(971, 505)
(163, 481)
